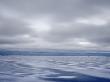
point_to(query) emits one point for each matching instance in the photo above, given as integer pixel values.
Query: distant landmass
(5, 52)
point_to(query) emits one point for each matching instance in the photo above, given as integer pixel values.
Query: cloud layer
(55, 24)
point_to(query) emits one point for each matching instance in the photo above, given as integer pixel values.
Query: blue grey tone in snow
(54, 40)
(54, 69)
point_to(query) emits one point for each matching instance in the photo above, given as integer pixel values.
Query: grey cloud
(13, 27)
(15, 40)
(95, 34)
(102, 3)
(63, 10)
(60, 11)
(14, 31)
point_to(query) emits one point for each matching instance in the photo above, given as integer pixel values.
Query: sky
(55, 24)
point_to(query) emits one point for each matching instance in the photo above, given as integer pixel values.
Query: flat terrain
(54, 69)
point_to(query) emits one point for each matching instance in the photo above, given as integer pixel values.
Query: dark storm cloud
(68, 20)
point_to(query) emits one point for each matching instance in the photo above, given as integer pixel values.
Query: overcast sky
(55, 24)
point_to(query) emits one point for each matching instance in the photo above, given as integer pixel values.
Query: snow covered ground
(54, 69)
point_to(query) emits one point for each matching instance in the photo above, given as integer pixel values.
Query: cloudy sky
(55, 24)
